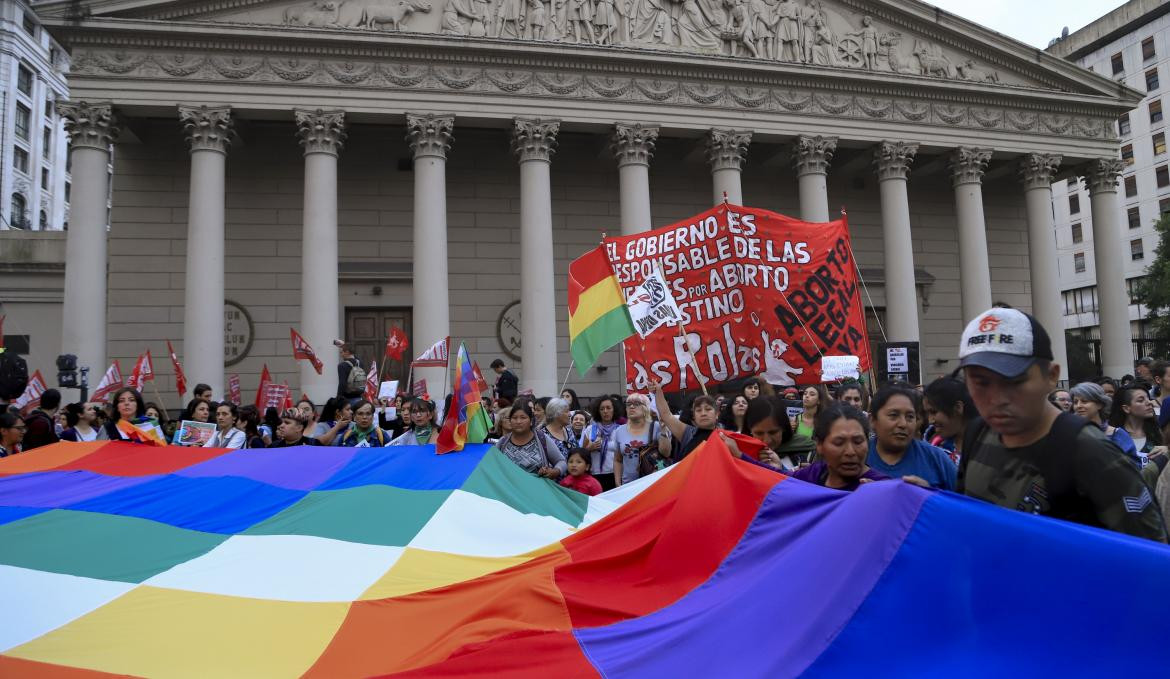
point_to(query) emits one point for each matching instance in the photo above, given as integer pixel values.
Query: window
(24, 80)
(1148, 51)
(1130, 186)
(1074, 203)
(1127, 154)
(1123, 125)
(1163, 174)
(1133, 286)
(1152, 79)
(20, 159)
(44, 179)
(1156, 111)
(1136, 251)
(17, 208)
(1134, 217)
(1078, 234)
(23, 117)
(69, 190)
(1079, 262)
(1118, 63)
(1080, 301)
(1163, 207)
(30, 24)
(46, 143)
(1159, 142)
(44, 223)
(49, 109)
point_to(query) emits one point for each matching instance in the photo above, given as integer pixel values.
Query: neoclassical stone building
(342, 165)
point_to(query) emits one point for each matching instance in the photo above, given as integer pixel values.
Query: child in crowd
(579, 478)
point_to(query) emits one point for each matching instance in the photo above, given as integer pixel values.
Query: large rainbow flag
(339, 562)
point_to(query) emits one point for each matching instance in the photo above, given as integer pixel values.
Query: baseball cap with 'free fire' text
(1006, 341)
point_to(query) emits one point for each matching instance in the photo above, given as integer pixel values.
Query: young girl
(579, 478)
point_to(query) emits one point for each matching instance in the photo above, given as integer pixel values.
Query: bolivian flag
(598, 318)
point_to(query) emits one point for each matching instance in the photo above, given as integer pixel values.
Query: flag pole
(567, 373)
(682, 328)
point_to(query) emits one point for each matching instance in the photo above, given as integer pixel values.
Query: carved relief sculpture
(738, 28)
(788, 31)
(931, 61)
(605, 20)
(860, 48)
(313, 14)
(510, 20)
(372, 14)
(764, 28)
(537, 19)
(580, 18)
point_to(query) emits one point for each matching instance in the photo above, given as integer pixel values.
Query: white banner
(652, 306)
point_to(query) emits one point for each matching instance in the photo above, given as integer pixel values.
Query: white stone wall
(264, 201)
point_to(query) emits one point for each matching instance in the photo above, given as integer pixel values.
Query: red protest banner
(760, 294)
(234, 393)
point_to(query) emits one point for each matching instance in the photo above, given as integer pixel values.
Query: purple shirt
(818, 473)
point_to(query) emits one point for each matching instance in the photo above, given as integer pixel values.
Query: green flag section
(598, 318)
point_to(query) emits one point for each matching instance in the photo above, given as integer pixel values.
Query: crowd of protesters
(998, 429)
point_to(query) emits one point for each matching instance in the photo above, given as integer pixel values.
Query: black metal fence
(1084, 354)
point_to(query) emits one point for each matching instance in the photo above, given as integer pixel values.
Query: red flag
(180, 378)
(288, 402)
(419, 388)
(396, 344)
(111, 382)
(31, 398)
(234, 394)
(302, 351)
(481, 383)
(143, 372)
(262, 390)
(372, 382)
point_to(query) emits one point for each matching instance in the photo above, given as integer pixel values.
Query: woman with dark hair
(248, 423)
(755, 387)
(853, 394)
(12, 430)
(336, 416)
(842, 435)
(597, 437)
(226, 435)
(690, 436)
(538, 407)
(896, 450)
(363, 432)
(767, 420)
(1134, 411)
(577, 424)
(270, 425)
(82, 420)
(532, 451)
(1108, 385)
(731, 417)
(949, 409)
(127, 405)
(1092, 403)
(422, 424)
(160, 415)
(571, 396)
(812, 398)
(197, 410)
(309, 410)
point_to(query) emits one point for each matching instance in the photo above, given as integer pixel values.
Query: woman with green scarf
(422, 423)
(363, 432)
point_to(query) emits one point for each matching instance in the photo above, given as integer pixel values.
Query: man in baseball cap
(1024, 453)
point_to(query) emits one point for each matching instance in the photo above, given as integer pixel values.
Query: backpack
(357, 378)
(13, 376)
(1055, 469)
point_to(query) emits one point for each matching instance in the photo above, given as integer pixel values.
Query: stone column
(892, 160)
(429, 137)
(1109, 257)
(91, 128)
(534, 141)
(811, 157)
(1036, 172)
(967, 166)
(726, 151)
(208, 131)
(633, 146)
(322, 134)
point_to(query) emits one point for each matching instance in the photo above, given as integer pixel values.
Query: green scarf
(422, 434)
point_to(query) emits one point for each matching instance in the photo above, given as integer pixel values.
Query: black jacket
(507, 385)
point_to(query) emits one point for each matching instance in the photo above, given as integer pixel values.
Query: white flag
(436, 356)
(111, 382)
(652, 305)
(31, 398)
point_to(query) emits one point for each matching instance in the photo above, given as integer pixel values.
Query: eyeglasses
(20, 427)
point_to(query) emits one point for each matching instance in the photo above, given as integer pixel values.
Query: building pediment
(885, 38)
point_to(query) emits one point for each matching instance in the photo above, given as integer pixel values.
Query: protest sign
(652, 306)
(194, 434)
(388, 390)
(276, 395)
(837, 368)
(759, 293)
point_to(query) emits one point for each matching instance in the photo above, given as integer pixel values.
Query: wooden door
(367, 329)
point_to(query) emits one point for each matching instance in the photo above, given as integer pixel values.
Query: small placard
(836, 368)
